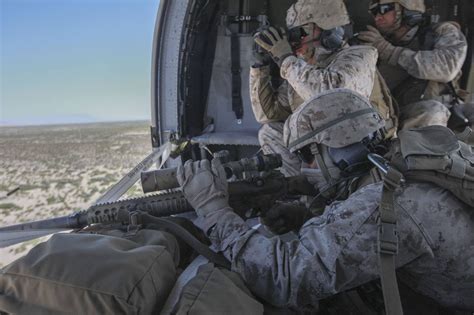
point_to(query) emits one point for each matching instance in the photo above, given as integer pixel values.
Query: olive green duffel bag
(92, 274)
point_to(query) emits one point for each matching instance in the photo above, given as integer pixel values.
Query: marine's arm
(268, 104)
(444, 62)
(333, 253)
(353, 68)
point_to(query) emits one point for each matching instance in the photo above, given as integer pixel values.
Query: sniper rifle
(254, 193)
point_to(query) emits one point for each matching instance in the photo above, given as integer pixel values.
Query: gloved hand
(285, 217)
(275, 43)
(204, 185)
(387, 52)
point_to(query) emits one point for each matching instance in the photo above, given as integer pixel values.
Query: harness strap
(237, 106)
(388, 242)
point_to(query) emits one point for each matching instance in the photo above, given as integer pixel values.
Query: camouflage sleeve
(333, 253)
(353, 68)
(444, 62)
(268, 104)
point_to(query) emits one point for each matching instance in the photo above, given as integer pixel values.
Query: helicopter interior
(201, 58)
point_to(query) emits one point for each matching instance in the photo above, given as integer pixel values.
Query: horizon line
(2, 125)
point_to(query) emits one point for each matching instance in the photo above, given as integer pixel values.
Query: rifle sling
(187, 237)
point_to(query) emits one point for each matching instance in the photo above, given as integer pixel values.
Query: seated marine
(420, 61)
(313, 58)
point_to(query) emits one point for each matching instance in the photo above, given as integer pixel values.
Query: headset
(412, 18)
(333, 39)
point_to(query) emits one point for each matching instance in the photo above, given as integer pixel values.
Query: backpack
(435, 154)
(431, 154)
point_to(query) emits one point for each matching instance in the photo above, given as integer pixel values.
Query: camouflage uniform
(321, 70)
(337, 250)
(352, 68)
(424, 61)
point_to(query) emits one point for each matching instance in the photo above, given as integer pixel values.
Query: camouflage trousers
(423, 113)
(270, 137)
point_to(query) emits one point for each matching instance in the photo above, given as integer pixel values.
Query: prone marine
(426, 233)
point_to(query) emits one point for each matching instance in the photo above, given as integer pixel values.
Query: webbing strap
(180, 232)
(388, 243)
(237, 106)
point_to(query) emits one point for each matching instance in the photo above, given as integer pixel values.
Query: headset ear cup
(412, 18)
(333, 39)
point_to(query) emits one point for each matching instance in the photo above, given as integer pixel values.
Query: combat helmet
(326, 14)
(337, 129)
(335, 118)
(412, 5)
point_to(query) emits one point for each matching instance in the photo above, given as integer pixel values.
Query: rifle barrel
(74, 221)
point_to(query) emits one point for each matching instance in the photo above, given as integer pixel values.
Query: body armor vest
(407, 89)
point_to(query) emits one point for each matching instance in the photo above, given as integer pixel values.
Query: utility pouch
(434, 154)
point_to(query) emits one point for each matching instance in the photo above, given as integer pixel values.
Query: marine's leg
(424, 113)
(270, 137)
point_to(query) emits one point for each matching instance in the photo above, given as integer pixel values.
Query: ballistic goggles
(381, 9)
(296, 34)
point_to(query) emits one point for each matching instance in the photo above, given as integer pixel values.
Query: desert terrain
(63, 168)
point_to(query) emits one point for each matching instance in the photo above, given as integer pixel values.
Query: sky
(65, 61)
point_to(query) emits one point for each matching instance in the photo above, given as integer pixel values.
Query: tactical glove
(204, 186)
(285, 217)
(387, 52)
(275, 43)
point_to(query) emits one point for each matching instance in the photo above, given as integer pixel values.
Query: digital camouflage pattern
(336, 118)
(337, 250)
(422, 71)
(352, 68)
(441, 64)
(269, 104)
(326, 14)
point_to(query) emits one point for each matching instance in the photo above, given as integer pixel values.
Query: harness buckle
(388, 238)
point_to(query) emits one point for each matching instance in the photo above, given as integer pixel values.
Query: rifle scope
(166, 178)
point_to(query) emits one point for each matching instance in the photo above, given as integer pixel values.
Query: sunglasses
(305, 155)
(381, 8)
